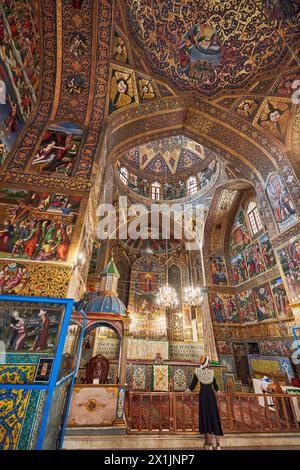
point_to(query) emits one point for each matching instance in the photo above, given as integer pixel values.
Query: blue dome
(105, 303)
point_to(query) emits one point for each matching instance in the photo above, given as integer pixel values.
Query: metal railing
(176, 412)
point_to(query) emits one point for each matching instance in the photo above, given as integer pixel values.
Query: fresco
(30, 327)
(13, 278)
(218, 270)
(280, 9)
(283, 208)
(267, 252)
(145, 88)
(280, 298)
(198, 48)
(19, 67)
(254, 260)
(279, 347)
(120, 53)
(246, 307)
(224, 308)
(122, 89)
(247, 108)
(289, 256)
(239, 269)
(287, 84)
(264, 302)
(275, 117)
(36, 225)
(200, 51)
(167, 155)
(240, 235)
(58, 150)
(148, 320)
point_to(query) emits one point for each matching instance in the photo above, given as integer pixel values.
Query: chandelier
(167, 297)
(192, 296)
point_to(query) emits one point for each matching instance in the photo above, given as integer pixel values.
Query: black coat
(209, 416)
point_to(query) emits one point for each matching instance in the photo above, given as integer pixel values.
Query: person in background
(209, 417)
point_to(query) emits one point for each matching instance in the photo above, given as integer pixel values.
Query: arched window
(191, 185)
(155, 191)
(254, 218)
(124, 175)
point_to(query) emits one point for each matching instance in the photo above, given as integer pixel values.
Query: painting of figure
(280, 9)
(13, 278)
(240, 236)
(280, 298)
(19, 66)
(58, 150)
(266, 251)
(218, 270)
(29, 326)
(289, 257)
(200, 51)
(275, 117)
(239, 269)
(254, 260)
(264, 302)
(122, 90)
(246, 307)
(36, 225)
(224, 308)
(281, 203)
(148, 318)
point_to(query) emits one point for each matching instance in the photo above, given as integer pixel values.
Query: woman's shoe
(218, 448)
(208, 447)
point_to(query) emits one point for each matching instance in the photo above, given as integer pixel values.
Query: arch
(97, 323)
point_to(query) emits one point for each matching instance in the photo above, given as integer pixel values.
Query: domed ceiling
(170, 156)
(214, 44)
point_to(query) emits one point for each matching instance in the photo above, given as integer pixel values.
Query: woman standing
(209, 417)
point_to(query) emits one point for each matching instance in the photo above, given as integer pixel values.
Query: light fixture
(192, 296)
(167, 295)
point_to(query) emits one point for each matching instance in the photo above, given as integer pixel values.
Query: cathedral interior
(131, 106)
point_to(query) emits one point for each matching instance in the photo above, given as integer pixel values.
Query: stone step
(141, 441)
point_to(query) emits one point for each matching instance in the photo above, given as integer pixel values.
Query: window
(191, 186)
(254, 218)
(155, 191)
(124, 175)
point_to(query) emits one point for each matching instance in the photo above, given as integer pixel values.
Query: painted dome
(106, 303)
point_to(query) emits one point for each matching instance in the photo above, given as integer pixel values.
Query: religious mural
(275, 117)
(218, 270)
(280, 298)
(240, 235)
(122, 89)
(13, 278)
(204, 50)
(264, 302)
(224, 308)
(120, 52)
(30, 327)
(280, 9)
(200, 51)
(19, 68)
(148, 320)
(36, 225)
(283, 207)
(246, 307)
(254, 260)
(57, 153)
(289, 256)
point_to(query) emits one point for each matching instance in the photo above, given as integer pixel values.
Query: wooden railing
(173, 412)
